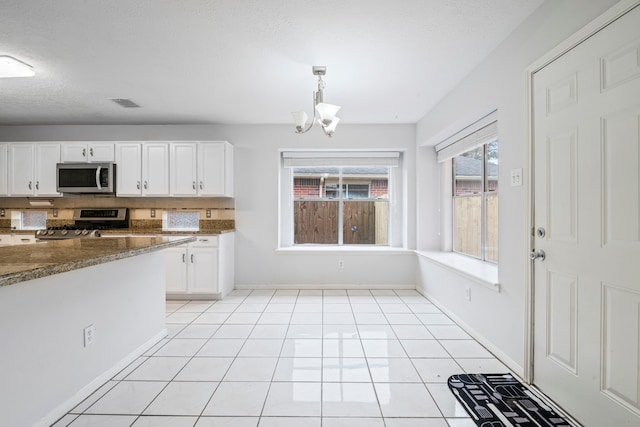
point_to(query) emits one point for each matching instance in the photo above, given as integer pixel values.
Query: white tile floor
(266, 358)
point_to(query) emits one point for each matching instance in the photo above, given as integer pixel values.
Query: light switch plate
(516, 177)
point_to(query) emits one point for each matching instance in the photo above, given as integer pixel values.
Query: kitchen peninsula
(73, 313)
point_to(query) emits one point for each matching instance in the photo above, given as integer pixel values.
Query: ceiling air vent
(126, 103)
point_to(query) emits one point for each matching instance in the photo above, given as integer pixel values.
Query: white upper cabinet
(47, 156)
(142, 169)
(184, 175)
(4, 173)
(155, 169)
(202, 169)
(32, 169)
(78, 152)
(129, 169)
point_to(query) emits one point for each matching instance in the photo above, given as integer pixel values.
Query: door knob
(537, 255)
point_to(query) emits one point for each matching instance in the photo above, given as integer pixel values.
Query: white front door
(586, 123)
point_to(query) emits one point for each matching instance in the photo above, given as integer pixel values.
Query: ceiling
(242, 61)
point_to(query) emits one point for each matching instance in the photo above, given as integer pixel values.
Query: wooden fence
(364, 223)
(467, 233)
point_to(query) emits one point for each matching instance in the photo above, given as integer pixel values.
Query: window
(338, 198)
(471, 155)
(475, 202)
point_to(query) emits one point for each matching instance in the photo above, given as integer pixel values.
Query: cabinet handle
(194, 185)
(84, 152)
(138, 185)
(91, 151)
(30, 186)
(201, 185)
(146, 185)
(184, 257)
(191, 258)
(37, 185)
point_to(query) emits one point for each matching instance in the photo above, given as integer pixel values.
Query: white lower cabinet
(5, 239)
(18, 239)
(23, 239)
(201, 269)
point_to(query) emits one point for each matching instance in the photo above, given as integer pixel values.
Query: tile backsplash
(213, 214)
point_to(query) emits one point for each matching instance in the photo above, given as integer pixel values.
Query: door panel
(621, 179)
(586, 108)
(562, 190)
(562, 336)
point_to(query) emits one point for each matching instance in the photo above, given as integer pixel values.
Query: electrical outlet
(208, 213)
(2, 213)
(55, 213)
(89, 335)
(341, 264)
(153, 213)
(467, 294)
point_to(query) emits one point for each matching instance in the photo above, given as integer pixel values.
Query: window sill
(331, 249)
(483, 273)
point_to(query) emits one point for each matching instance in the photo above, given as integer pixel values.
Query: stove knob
(51, 232)
(64, 232)
(77, 232)
(85, 232)
(40, 232)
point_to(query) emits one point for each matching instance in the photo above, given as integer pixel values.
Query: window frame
(483, 193)
(396, 185)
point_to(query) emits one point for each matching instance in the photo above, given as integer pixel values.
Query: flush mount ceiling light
(11, 67)
(326, 113)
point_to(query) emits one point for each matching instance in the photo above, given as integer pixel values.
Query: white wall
(44, 366)
(498, 83)
(256, 150)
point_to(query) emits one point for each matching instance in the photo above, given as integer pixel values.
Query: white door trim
(581, 35)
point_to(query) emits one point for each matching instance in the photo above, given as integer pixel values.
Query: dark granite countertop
(19, 263)
(145, 231)
(120, 231)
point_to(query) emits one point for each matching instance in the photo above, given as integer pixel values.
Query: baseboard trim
(499, 354)
(323, 286)
(60, 410)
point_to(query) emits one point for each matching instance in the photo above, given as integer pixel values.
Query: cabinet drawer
(210, 241)
(23, 239)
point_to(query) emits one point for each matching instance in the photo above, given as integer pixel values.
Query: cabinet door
(74, 152)
(176, 269)
(183, 169)
(155, 169)
(101, 152)
(21, 170)
(211, 169)
(4, 172)
(129, 169)
(203, 269)
(46, 158)
(5, 239)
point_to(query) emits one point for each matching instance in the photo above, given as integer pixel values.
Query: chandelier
(325, 113)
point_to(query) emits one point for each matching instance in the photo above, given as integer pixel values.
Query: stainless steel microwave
(89, 178)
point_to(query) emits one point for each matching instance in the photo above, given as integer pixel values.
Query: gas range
(66, 232)
(87, 223)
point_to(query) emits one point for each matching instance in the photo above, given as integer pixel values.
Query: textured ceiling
(242, 61)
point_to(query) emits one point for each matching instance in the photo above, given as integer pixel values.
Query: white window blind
(292, 159)
(479, 133)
